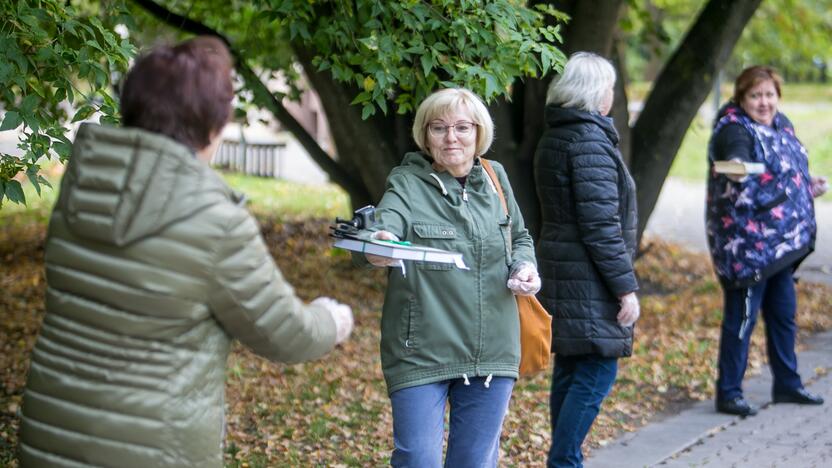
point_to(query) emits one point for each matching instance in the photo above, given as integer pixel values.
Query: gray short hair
(446, 101)
(583, 83)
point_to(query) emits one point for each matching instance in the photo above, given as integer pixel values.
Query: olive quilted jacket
(152, 266)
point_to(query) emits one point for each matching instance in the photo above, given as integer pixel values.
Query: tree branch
(263, 97)
(679, 91)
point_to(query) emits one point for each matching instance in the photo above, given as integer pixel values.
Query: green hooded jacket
(440, 322)
(153, 265)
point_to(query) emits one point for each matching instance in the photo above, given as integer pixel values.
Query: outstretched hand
(378, 261)
(341, 315)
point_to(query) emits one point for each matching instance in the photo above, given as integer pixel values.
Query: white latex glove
(524, 281)
(383, 261)
(341, 315)
(819, 186)
(630, 310)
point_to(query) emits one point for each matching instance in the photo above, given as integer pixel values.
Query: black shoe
(737, 406)
(799, 396)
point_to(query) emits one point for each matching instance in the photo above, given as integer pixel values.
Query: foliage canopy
(55, 60)
(401, 51)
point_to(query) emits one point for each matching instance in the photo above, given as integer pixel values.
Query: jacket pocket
(773, 201)
(434, 231)
(440, 236)
(411, 321)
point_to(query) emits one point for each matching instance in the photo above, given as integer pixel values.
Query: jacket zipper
(479, 247)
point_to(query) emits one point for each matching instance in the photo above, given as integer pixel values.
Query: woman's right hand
(378, 261)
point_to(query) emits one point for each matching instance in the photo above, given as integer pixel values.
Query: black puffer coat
(588, 237)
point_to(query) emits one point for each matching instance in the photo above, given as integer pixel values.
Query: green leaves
(12, 190)
(410, 48)
(11, 121)
(50, 54)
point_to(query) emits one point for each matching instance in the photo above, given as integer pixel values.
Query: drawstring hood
(441, 185)
(488, 381)
(424, 167)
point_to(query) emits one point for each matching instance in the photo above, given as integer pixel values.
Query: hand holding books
(384, 261)
(383, 248)
(738, 170)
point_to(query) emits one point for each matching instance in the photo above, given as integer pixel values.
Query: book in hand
(400, 250)
(739, 168)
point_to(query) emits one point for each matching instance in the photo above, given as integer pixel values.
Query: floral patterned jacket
(765, 222)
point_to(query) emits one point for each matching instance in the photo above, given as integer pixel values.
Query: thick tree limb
(366, 146)
(520, 123)
(263, 97)
(679, 91)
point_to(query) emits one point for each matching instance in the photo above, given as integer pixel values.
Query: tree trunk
(679, 91)
(520, 123)
(366, 148)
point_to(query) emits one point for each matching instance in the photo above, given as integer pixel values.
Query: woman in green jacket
(450, 334)
(153, 265)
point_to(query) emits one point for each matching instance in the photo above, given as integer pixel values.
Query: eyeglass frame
(449, 127)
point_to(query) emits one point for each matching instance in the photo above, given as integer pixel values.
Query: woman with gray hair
(586, 248)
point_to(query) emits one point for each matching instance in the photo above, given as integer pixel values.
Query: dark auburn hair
(182, 91)
(751, 77)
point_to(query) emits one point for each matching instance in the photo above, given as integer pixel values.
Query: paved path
(679, 216)
(783, 435)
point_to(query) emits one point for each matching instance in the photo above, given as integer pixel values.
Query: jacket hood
(557, 116)
(421, 165)
(124, 184)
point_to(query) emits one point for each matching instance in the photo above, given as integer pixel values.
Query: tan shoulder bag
(535, 322)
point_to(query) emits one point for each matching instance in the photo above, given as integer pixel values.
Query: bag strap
(486, 164)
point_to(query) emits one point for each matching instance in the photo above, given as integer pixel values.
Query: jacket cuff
(623, 284)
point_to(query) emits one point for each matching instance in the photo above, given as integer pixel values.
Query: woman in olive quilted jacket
(153, 265)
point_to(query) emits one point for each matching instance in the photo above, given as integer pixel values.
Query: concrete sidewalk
(782, 435)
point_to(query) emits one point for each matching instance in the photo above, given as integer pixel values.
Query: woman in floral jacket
(760, 227)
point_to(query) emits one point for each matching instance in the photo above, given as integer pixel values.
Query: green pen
(395, 242)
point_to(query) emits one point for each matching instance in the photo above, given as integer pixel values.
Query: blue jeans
(776, 297)
(476, 421)
(579, 385)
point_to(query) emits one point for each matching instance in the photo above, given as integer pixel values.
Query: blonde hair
(447, 101)
(585, 80)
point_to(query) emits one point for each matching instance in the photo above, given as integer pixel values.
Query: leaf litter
(335, 411)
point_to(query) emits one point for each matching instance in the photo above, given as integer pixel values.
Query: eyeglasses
(462, 129)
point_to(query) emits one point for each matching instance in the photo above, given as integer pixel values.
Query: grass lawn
(274, 198)
(335, 410)
(808, 106)
(812, 123)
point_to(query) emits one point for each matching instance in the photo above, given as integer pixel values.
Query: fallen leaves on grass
(335, 412)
